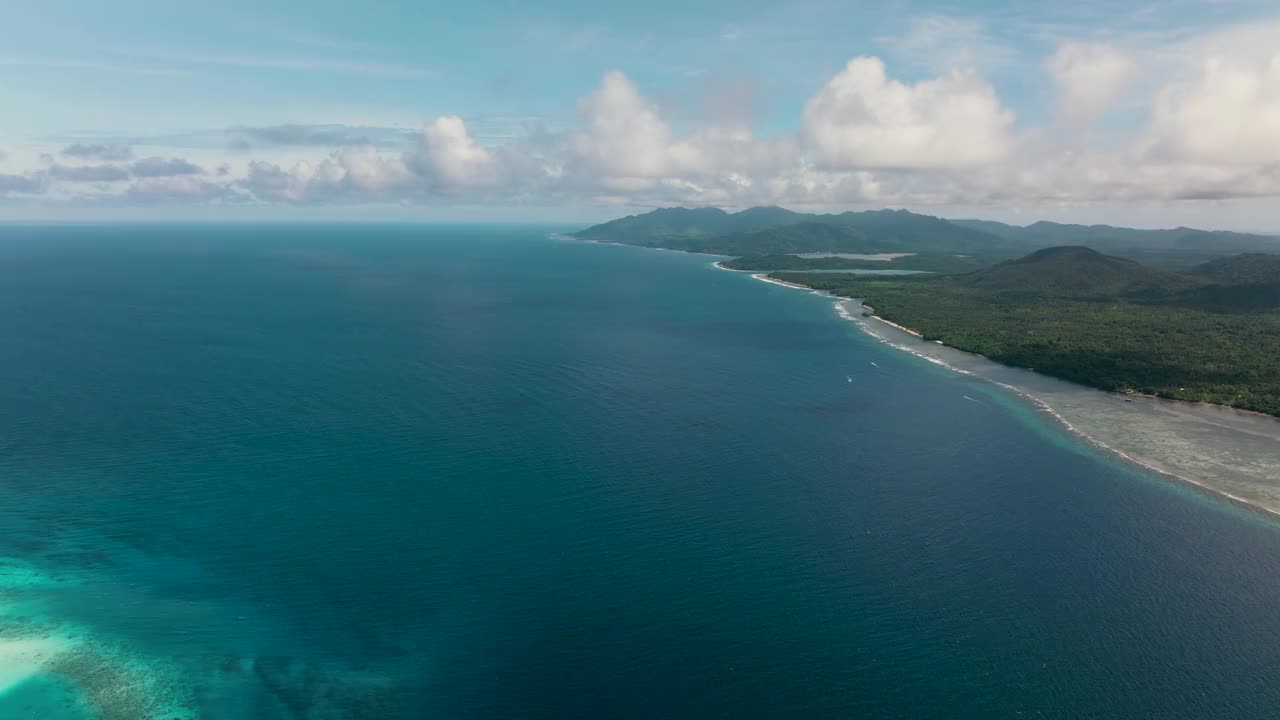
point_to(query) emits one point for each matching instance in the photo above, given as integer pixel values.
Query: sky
(1151, 114)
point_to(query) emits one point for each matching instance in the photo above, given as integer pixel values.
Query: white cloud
(867, 138)
(625, 144)
(863, 119)
(350, 175)
(365, 170)
(1229, 114)
(1089, 76)
(452, 159)
(622, 134)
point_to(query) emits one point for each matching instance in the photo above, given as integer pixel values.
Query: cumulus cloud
(162, 167)
(93, 151)
(447, 162)
(863, 119)
(366, 170)
(350, 175)
(623, 143)
(865, 137)
(88, 173)
(269, 181)
(451, 159)
(1229, 113)
(622, 134)
(1089, 77)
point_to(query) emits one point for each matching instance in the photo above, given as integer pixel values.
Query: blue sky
(1082, 111)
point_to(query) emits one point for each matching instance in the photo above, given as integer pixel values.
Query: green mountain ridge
(1108, 237)
(802, 237)
(775, 230)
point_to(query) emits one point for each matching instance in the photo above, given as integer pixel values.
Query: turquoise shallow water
(389, 471)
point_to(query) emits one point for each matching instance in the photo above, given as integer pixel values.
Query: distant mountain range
(775, 230)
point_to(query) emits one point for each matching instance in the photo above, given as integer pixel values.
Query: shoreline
(765, 278)
(1111, 392)
(903, 328)
(1192, 410)
(1043, 405)
(563, 237)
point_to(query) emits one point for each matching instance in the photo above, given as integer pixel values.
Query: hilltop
(1075, 271)
(677, 225)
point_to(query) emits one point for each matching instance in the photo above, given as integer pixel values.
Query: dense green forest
(1102, 321)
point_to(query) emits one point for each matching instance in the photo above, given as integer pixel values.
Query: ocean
(287, 472)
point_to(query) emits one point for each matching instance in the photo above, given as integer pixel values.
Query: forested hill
(1248, 268)
(1074, 271)
(774, 230)
(678, 224)
(1240, 283)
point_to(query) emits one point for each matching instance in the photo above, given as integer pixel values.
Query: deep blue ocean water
(395, 471)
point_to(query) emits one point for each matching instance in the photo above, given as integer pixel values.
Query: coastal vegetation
(1097, 320)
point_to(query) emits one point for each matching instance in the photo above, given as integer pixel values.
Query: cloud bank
(1207, 127)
